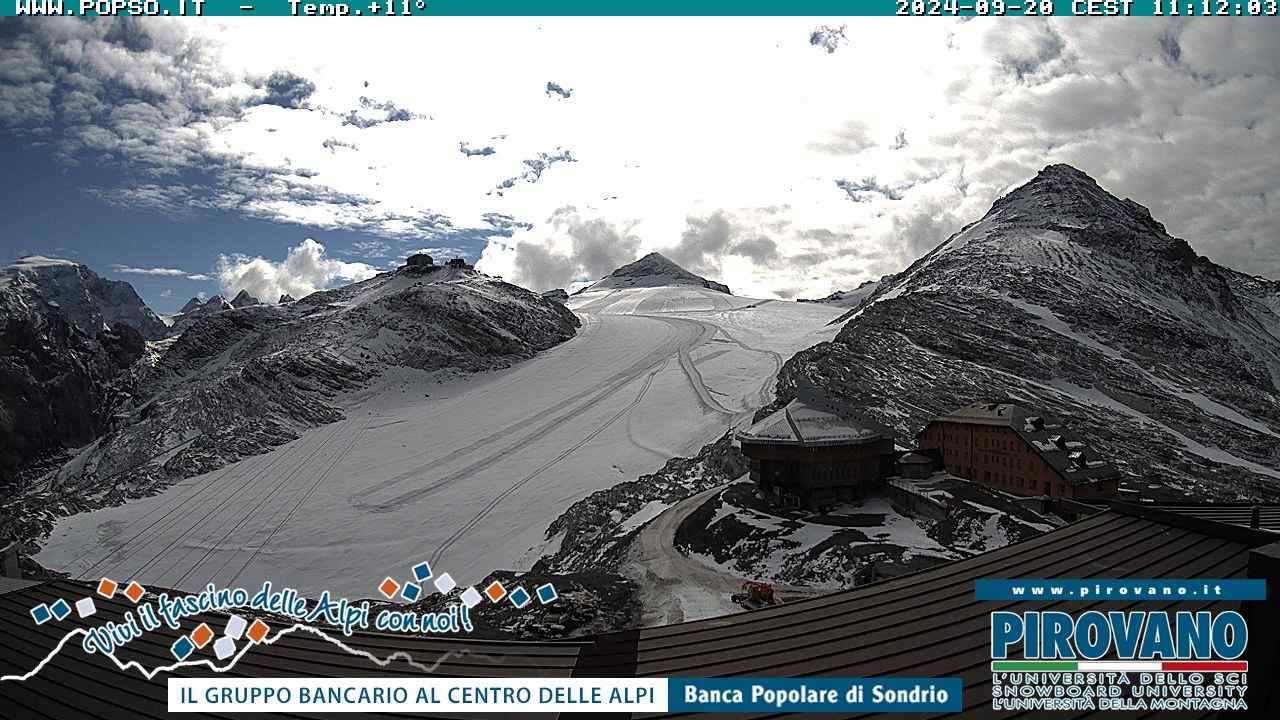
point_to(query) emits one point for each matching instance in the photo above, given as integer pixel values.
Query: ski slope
(464, 472)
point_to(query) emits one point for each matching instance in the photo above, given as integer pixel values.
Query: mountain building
(1015, 449)
(816, 451)
(915, 466)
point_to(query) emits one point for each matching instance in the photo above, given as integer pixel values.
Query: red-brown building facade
(1011, 448)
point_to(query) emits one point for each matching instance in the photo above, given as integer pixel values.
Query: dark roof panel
(1267, 517)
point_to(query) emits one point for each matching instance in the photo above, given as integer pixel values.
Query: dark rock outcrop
(57, 386)
(244, 299)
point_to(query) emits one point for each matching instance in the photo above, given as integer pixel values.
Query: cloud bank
(766, 169)
(305, 269)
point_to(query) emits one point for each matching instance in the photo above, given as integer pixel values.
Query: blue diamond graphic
(547, 593)
(520, 597)
(41, 614)
(182, 648)
(60, 609)
(422, 572)
(411, 591)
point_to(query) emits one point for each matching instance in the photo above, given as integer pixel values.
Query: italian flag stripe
(1118, 666)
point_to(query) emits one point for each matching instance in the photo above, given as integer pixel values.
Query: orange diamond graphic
(258, 630)
(134, 592)
(201, 635)
(495, 591)
(388, 588)
(107, 587)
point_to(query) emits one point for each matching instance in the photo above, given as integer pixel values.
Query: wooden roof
(923, 624)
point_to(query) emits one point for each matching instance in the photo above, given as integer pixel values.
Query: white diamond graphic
(224, 647)
(235, 627)
(445, 583)
(86, 607)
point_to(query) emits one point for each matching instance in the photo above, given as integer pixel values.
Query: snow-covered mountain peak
(653, 270)
(1063, 197)
(89, 302)
(1082, 304)
(1063, 232)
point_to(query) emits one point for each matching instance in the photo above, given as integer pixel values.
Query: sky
(786, 157)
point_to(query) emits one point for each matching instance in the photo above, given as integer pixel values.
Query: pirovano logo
(1122, 660)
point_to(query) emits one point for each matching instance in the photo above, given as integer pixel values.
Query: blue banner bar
(815, 695)
(1128, 589)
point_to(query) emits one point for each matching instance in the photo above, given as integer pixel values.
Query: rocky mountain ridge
(1067, 298)
(88, 301)
(240, 381)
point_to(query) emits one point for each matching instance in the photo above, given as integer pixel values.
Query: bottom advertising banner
(565, 695)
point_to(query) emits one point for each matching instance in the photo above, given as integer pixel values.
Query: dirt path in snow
(677, 588)
(674, 587)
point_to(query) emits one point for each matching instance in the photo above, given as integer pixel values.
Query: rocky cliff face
(57, 383)
(1068, 298)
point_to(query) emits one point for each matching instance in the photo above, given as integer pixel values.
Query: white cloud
(303, 271)
(158, 272)
(1180, 117)
(570, 249)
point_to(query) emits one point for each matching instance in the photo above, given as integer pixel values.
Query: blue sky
(775, 154)
(49, 211)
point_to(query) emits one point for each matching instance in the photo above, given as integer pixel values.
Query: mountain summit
(244, 299)
(1072, 300)
(653, 270)
(87, 301)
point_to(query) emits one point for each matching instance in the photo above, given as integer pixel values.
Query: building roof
(817, 421)
(1061, 448)
(1242, 514)
(926, 624)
